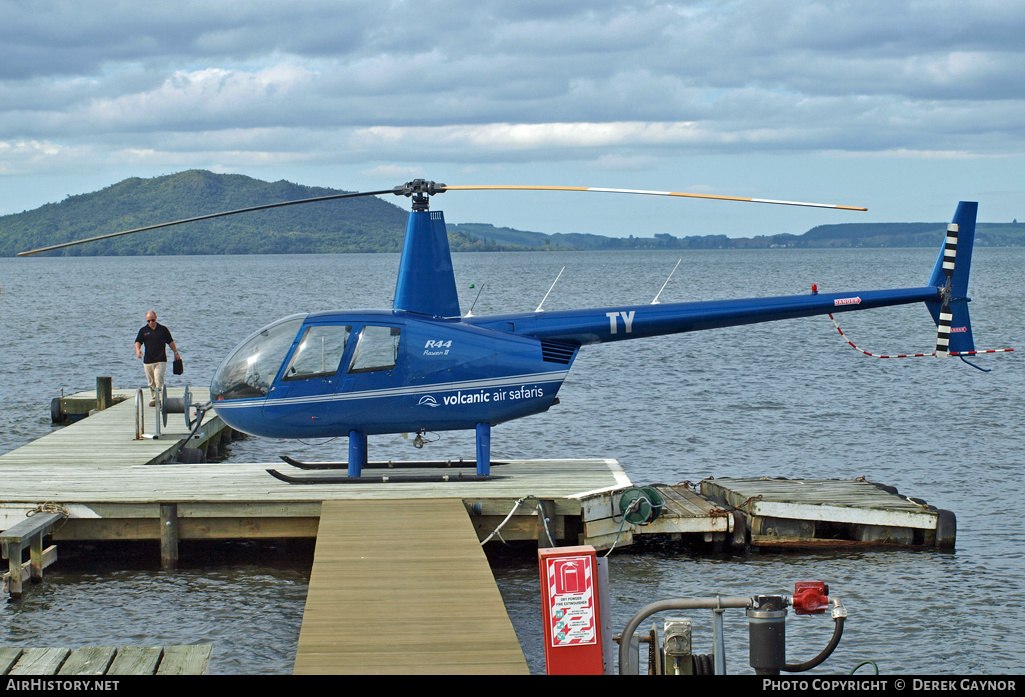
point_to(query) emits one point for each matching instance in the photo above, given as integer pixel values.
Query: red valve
(810, 598)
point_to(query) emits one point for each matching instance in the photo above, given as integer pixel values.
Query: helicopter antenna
(655, 301)
(550, 290)
(469, 313)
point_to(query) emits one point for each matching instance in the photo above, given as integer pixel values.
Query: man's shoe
(153, 402)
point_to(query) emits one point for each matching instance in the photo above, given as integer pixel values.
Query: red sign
(571, 622)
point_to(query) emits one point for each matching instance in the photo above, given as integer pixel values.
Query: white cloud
(395, 86)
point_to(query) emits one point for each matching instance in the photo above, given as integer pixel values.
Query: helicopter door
(317, 355)
(374, 371)
(311, 371)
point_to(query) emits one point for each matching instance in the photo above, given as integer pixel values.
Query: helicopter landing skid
(383, 479)
(390, 464)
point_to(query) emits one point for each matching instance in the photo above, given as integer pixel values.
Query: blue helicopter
(423, 367)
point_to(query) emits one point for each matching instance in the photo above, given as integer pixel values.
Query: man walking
(154, 337)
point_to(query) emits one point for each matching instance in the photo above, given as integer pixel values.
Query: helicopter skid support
(390, 464)
(358, 452)
(383, 479)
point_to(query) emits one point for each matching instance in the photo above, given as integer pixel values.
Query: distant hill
(839, 235)
(370, 224)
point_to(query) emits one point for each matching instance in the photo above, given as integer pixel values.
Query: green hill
(369, 224)
(839, 235)
(353, 225)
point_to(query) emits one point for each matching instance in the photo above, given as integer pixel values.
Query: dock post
(104, 393)
(12, 550)
(357, 452)
(168, 536)
(483, 449)
(35, 555)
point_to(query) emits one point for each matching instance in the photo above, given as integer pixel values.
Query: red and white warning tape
(912, 355)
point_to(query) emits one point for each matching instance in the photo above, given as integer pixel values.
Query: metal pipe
(679, 604)
(719, 642)
(839, 615)
(140, 417)
(159, 411)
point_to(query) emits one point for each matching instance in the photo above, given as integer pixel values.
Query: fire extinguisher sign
(571, 600)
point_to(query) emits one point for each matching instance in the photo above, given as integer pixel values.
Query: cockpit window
(377, 349)
(250, 369)
(319, 352)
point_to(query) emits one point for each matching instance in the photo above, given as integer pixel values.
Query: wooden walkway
(107, 437)
(107, 660)
(403, 588)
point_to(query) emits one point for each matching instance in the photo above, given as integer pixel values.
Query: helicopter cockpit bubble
(251, 367)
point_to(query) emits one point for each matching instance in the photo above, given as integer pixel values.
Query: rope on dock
(515, 507)
(51, 507)
(635, 504)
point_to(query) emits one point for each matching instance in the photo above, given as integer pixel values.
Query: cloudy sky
(902, 106)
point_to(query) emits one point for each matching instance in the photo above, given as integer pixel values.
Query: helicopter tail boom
(600, 325)
(945, 297)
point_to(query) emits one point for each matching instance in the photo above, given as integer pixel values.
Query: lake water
(784, 399)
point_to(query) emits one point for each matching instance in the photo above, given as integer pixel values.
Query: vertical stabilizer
(950, 274)
(426, 282)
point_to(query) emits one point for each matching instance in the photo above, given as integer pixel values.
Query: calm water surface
(783, 399)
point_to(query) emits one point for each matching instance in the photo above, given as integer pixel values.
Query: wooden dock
(106, 660)
(112, 486)
(403, 588)
(400, 582)
(831, 513)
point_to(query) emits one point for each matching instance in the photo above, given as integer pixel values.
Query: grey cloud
(247, 77)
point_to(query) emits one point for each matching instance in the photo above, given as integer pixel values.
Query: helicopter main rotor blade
(209, 216)
(651, 193)
(420, 190)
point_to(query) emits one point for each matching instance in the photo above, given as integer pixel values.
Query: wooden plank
(403, 588)
(686, 524)
(89, 661)
(40, 661)
(8, 657)
(827, 512)
(33, 525)
(136, 660)
(186, 660)
(517, 528)
(602, 542)
(840, 501)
